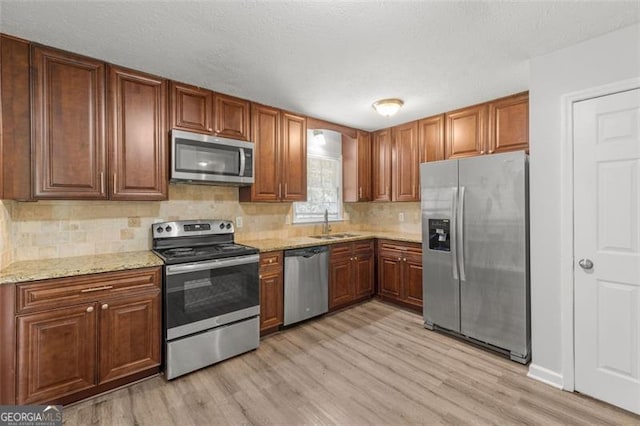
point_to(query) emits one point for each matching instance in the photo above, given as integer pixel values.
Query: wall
(6, 245)
(606, 59)
(385, 216)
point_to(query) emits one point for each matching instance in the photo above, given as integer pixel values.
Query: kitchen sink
(334, 236)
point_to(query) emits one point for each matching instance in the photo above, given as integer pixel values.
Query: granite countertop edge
(44, 269)
(276, 244)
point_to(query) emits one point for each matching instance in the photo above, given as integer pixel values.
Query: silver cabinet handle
(360, 193)
(102, 182)
(105, 306)
(92, 289)
(586, 264)
(90, 309)
(279, 191)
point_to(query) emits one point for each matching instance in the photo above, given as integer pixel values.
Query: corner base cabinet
(351, 271)
(80, 336)
(400, 273)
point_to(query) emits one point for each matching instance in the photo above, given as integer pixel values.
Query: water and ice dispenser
(439, 235)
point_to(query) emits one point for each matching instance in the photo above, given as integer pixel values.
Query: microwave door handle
(243, 160)
(214, 264)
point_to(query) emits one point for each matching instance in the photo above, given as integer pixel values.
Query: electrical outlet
(239, 221)
(401, 217)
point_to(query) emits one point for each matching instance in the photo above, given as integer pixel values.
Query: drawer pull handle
(105, 306)
(92, 289)
(90, 309)
(270, 260)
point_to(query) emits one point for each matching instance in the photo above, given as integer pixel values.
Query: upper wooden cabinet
(356, 167)
(137, 135)
(200, 110)
(501, 125)
(466, 132)
(191, 108)
(509, 123)
(294, 157)
(280, 156)
(431, 138)
(15, 124)
(381, 149)
(75, 157)
(231, 117)
(404, 177)
(68, 125)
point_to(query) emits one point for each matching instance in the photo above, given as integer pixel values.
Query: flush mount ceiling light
(318, 137)
(387, 107)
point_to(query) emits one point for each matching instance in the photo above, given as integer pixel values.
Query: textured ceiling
(329, 60)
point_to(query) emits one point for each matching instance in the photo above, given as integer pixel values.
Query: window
(324, 178)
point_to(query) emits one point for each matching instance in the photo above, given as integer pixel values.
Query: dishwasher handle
(306, 252)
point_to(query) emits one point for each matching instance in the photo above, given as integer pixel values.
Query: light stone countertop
(32, 270)
(274, 244)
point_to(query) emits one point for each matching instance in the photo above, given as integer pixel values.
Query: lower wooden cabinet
(75, 350)
(400, 273)
(271, 291)
(56, 353)
(351, 272)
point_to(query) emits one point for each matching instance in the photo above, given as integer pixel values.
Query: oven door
(203, 295)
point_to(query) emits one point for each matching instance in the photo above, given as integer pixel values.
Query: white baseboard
(545, 375)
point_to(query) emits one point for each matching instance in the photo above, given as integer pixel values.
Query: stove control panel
(185, 228)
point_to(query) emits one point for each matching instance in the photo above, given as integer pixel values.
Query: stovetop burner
(193, 241)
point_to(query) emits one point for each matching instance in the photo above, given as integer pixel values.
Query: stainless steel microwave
(204, 159)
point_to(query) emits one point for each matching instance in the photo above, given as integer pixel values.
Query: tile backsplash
(49, 229)
(5, 233)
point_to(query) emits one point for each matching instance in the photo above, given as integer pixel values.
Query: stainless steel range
(211, 294)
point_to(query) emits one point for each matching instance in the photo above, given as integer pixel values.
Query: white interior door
(607, 248)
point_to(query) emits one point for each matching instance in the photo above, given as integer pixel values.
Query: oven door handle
(211, 264)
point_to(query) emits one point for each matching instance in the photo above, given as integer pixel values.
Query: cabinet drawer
(337, 251)
(363, 247)
(272, 259)
(414, 248)
(68, 291)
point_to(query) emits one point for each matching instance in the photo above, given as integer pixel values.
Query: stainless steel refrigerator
(475, 236)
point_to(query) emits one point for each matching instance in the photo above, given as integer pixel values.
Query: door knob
(586, 264)
(105, 306)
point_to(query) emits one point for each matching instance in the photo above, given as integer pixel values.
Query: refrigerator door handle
(460, 233)
(454, 221)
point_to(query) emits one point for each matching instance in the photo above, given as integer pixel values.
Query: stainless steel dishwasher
(306, 283)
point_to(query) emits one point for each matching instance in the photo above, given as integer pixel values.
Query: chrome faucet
(325, 226)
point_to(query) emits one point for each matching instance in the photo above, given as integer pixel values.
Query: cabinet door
(389, 271)
(15, 120)
(137, 135)
(271, 299)
(56, 353)
(431, 138)
(294, 157)
(364, 166)
(265, 133)
(509, 124)
(191, 108)
(130, 335)
(363, 275)
(404, 166)
(68, 124)
(466, 132)
(232, 117)
(340, 282)
(381, 165)
(412, 281)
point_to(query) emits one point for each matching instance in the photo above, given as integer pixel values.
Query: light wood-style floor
(371, 364)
